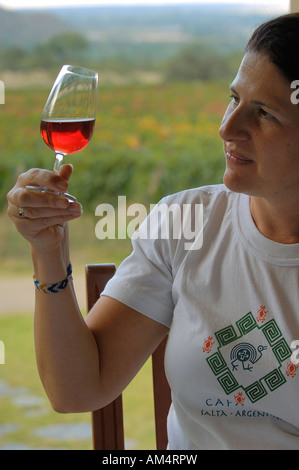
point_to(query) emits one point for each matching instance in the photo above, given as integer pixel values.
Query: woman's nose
(234, 126)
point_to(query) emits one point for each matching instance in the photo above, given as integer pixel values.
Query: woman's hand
(45, 215)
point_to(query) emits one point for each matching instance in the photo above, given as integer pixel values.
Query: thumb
(66, 171)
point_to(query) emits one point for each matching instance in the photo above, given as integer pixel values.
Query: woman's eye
(264, 113)
(234, 100)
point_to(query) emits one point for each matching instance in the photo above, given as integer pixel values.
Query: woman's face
(260, 130)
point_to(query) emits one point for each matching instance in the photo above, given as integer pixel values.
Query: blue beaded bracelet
(54, 288)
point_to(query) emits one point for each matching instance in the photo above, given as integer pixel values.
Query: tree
(198, 62)
(61, 49)
(12, 58)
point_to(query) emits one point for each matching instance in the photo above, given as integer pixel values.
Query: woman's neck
(280, 224)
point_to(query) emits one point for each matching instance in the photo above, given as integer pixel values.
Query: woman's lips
(237, 158)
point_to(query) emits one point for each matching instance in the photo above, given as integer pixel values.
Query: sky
(15, 4)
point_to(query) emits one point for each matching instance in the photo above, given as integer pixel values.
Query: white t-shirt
(232, 310)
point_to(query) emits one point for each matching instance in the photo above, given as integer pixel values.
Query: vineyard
(149, 141)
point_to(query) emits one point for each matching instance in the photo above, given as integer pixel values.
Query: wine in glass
(68, 119)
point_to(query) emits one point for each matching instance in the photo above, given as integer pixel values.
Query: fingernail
(76, 207)
(62, 203)
(62, 186)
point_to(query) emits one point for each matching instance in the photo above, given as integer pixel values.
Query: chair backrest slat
(108, 422)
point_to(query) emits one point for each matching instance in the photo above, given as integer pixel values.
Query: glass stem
(58, 161)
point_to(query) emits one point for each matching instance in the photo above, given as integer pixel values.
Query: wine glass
(68, 119)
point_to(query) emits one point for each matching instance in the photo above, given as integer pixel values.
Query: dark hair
(279, 40)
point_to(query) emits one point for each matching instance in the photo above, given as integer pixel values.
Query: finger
(48, 222)
(31, 227)
(66, 172)
(74, 208)
(44, 178)
(22, 197)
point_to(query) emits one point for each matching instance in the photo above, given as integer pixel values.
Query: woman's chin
(235, 183)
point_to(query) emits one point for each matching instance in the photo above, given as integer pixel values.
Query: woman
(230, 308)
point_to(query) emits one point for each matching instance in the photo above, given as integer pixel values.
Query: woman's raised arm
(83, 364)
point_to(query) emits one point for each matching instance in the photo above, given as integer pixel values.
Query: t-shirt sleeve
(144, 280)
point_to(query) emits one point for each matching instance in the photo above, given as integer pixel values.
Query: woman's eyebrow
(256, 102)
(232, 88)
(265, 105)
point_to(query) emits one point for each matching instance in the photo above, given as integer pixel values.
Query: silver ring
(22, 213)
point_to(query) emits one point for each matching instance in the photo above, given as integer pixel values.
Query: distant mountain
(228, 26)
(26, 29)
(165, 24)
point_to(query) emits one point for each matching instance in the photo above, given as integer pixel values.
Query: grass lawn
(24, 409)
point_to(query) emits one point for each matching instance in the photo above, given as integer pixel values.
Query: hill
(170, 25)
(26, 29)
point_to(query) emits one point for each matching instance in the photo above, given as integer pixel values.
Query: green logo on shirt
(253, 364)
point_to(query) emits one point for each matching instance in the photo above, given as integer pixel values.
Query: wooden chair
(107, 423)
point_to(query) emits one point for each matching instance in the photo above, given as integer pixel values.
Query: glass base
(44, 189)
